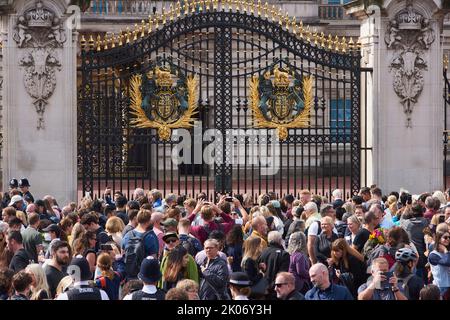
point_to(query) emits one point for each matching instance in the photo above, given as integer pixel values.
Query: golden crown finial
(113, 41)
(251, 5)
(105, 43)
(287, 21)
(259, 8)
(135, 31)
(244, 6)
(215, 4)
(316, 38)
(120, 37)
(193, 6)
(280, 17)
(281, 78)
(149, 26)
(308, 34)
(83, 42)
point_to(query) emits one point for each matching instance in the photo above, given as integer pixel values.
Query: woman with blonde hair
(39, 285)
(64, 285)
(22, 216)
(114, 227)
(249, 264)
(248, 224)
(77, 232)
(441, 196)
(349, 207)
(190, 286)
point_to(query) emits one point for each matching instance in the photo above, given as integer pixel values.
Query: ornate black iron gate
(224, 45)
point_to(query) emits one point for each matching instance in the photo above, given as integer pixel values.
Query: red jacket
(202, 234)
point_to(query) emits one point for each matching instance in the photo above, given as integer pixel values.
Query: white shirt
(63, 296)
(148, 288)
(240, 297)
(314, 230)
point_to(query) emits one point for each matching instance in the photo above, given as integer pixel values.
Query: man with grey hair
(215, 275)
(323, 289)
(337, 198)
(285, 287)
(138, 193)
(275, 259)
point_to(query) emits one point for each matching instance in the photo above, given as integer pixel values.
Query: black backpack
(189, 245)
(134, 254)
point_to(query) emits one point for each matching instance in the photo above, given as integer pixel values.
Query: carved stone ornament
(39, 32)
(409, 34)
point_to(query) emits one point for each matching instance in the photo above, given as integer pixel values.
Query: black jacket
(213, 285)
(295, 295)
(276, 260)
(323, 247)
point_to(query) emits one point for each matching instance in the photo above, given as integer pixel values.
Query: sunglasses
(446, 237)
(171, 241)
(280, 284)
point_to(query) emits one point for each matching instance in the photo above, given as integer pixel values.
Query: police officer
(13, 184)
(80, 271)
(24, 186)
(150, 274)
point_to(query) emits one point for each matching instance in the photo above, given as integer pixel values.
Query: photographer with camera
(382, 285)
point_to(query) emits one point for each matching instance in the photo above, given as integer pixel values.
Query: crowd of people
(369, 247)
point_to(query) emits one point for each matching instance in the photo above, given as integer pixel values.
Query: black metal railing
(224, 50)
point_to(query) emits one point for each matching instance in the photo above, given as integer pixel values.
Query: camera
(385, 283)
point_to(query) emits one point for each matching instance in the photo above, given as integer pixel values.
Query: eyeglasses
(446, 237)
(280, 284)
(171, 241)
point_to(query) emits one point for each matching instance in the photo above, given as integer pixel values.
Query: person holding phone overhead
(382, 285)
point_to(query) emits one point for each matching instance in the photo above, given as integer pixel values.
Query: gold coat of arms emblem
(163, 99)
(281, 99)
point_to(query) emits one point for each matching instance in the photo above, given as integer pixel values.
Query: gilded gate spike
(91, 42)
(215, 4)
(120, 36)
(163, 16)
(193, 6)
(150, 27)
(315, 38)
(142, 28)
(83, 42)
(336, 43)
(99, 43)
(105, 42)
(244, 6)
(259, 8)
(239, 5)
(128, 35)
(280, 17)
(344, 44)
(171, 12)
(266, 10)
(330, 42)
(135, 32)
(177, 10)
(351, 44)
(157, 21)
(322, 40)
(287, 21)
(273, 13)
(113, 41)
(308, 34)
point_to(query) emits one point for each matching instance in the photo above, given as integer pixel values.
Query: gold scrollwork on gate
(280, 99)
(163, 99)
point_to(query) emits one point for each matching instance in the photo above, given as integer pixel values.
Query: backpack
(380, 251)
(319, 229)
(208, 230)
(134, 254)
(189, 245)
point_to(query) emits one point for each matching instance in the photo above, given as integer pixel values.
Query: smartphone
(106, 247)
(441, 218)
(229, 199)
(385, 284)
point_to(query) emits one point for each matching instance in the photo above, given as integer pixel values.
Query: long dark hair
(174, 265)
(235, 236)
